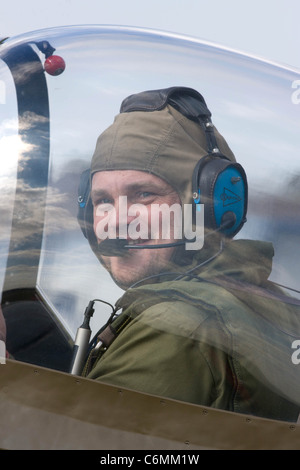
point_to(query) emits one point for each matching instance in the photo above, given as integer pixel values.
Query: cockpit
(51, 114)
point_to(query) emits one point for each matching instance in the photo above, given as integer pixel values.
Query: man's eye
(146, 194)
(103, 209)
(104, 200)
(103, 206)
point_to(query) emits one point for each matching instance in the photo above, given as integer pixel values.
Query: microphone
(120, 246)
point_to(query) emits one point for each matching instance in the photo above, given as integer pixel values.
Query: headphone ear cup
(223, 189)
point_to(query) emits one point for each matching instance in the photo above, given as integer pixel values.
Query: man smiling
(199, 325)
(143, 189)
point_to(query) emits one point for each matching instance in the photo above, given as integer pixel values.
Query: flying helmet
(169, 133)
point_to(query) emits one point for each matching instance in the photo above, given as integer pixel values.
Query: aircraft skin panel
(45, 410)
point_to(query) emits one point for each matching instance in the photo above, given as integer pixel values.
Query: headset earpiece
(221, 185)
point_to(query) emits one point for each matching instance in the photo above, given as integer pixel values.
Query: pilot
(198, 320)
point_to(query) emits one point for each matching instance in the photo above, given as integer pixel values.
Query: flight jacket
(220, 338)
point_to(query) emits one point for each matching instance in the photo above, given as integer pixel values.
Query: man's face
(111, 192)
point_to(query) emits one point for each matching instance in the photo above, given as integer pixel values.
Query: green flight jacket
(222, 339)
